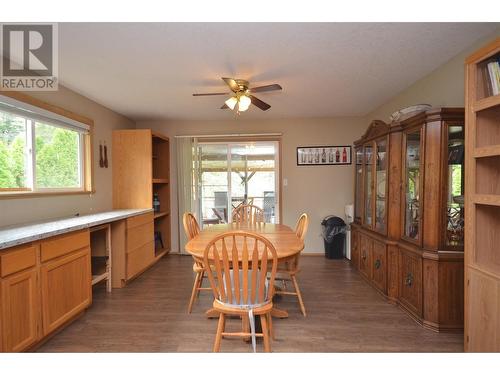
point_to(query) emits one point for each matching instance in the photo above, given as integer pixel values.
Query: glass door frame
(375, 183)
(421, 129)
(366, 188)
(446, 182)
(244, 141)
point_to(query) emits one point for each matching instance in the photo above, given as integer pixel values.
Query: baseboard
(312, 254)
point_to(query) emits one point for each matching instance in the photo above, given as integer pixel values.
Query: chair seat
(227, 308)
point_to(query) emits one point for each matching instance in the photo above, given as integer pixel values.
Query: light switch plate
(285, 182)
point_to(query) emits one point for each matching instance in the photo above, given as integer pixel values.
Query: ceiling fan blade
(212, 93)
(224, 106)
(232, 84)
(272, 87)
(259, 103)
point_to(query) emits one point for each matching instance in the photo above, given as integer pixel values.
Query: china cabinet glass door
(412, 185)
(368, 186)
(455, 192)
(359, 184)
(380, 184)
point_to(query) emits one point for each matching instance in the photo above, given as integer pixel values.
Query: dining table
(283, 238)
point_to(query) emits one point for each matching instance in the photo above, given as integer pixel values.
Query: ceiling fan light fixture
(243, 103)
(231, 102)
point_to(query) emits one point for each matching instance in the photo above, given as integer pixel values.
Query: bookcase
(482, 200)
(141, 170)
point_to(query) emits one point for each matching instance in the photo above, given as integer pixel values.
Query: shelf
(487, 151)
(486, 103)
(487, 199)
(161, 214)
(98, 278)
(160, 180)
(488, 176)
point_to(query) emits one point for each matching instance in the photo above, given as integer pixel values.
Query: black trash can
(333, 232)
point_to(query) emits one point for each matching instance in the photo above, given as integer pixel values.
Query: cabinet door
(365, 254)
(379, 265)
(20, 312)
(139, 259)
(482, 332)
(66, 288)
(410, 281)
(355, 249)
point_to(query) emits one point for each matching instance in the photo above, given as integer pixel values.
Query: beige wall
(443, 87)
(21, 210)
(319, 190)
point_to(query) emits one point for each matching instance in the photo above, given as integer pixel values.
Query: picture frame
(324, 155)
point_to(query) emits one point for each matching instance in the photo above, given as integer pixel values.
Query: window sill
(29, 194)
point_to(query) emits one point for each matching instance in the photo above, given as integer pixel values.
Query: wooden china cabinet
(408, 230)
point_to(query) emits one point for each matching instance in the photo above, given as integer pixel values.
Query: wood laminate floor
(344, 315)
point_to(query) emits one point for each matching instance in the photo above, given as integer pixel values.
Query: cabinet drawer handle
(409, 279)
(364, 255)
(378, 263)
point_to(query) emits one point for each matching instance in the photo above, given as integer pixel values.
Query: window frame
(85, 152)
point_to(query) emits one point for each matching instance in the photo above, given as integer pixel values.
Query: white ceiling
(150, 70)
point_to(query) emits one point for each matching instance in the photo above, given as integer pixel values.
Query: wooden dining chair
(242, 271)
(288, 270)
(192, 229)
(248, 213)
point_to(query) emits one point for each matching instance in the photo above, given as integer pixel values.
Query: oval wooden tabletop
(283, 238)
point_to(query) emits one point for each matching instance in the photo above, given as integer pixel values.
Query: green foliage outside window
(56, 154)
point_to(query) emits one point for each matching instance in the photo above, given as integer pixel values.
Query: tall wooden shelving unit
(482, 199)
(141, 169)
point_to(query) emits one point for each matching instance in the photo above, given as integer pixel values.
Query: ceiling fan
(241, 95)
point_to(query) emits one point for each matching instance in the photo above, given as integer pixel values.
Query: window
(41, 151)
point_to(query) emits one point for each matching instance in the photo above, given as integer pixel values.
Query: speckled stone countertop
(18, 234)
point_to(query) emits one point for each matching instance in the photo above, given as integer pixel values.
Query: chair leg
(265, 333)
(245, 326)
(220, 330)
(200, 283)
(299, 295)
(271, 330)
(194, 292)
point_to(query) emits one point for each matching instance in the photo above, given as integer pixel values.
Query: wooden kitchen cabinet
(66, 288)
(20, 310)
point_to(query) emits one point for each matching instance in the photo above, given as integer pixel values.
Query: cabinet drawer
(66, 288)
(139, 259)
(365, 256)
(139, 236)
(136, 221)
(17, 259)
(379, 263)
(410, 281)
(64, 244)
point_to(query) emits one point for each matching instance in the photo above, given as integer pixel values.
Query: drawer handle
(364, 255)
(378, 263)
(409, 279)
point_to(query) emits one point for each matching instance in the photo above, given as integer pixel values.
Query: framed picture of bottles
(324, 155)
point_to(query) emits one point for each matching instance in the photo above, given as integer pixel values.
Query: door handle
(409, 279)
(378, 263)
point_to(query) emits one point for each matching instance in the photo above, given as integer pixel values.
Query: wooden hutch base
(407, 238)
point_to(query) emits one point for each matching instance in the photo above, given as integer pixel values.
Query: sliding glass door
(235, 173)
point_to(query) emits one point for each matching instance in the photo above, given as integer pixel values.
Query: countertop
(23, 233)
